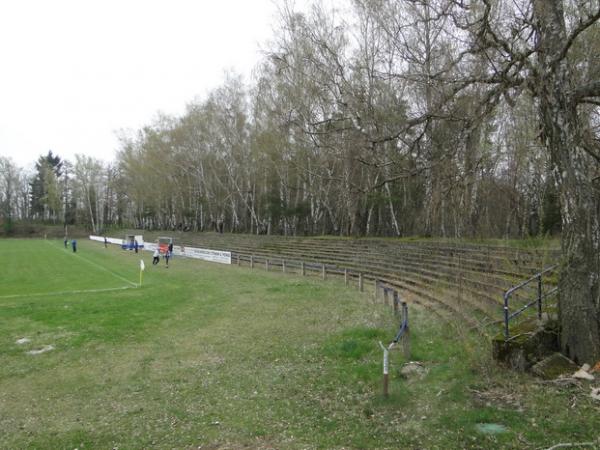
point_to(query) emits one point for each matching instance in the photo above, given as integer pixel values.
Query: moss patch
(554, 366)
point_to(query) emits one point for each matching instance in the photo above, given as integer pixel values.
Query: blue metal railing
(402, 331)
(403, 324)
(537, 301)
(400, 308)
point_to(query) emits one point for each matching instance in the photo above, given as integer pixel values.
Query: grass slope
(223, 357)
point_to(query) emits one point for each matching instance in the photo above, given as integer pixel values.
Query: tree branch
(583, 25)
(588, 90)
(589, 101)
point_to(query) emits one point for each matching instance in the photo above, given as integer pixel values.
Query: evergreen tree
(44, 187)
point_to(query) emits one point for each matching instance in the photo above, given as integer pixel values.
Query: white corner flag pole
(142, 267)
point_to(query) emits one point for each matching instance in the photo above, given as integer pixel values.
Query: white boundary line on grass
(82, 291)
(101, 267)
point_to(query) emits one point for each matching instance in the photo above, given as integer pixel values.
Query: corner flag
(142, 267)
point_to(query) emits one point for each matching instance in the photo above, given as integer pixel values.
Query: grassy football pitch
(210, 356)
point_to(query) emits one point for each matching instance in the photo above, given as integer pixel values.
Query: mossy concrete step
(554, 366)
(530, 342)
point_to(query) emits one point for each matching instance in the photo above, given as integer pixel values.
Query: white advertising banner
(179, 250)
(202, 253)
(108, 239)
(197, 253)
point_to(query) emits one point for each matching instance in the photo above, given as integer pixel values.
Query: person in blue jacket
(74, 245)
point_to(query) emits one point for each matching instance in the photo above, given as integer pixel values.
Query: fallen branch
(561, 381)
(572, 444)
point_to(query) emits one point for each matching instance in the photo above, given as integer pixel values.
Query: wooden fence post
(406, 343)
(324, 271)
(267, 264)
(252, 261)
(283, 265)
(346, 276)
(460, 279)
(406, 336)
(360, 282)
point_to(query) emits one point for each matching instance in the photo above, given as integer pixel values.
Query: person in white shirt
(155, 257)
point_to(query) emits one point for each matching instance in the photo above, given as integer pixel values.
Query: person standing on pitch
(167, 256)
(105, 242)
(66, 241)
(155, 257)
(74, 245)
(135, 245)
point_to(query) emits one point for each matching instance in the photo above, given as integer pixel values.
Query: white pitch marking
(49, 294)
(103, 268)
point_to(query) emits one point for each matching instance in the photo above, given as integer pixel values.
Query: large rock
(582, 374)
(413, 369)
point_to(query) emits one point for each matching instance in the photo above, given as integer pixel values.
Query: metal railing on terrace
(537, 301)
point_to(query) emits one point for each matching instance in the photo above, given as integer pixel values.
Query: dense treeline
(351, 127)
(60, 192)
(431, 117)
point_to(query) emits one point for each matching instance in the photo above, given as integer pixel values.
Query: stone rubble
(583, 374)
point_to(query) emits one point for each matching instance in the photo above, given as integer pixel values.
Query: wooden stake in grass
(385, 369)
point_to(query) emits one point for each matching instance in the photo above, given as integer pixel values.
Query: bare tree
(9, 184)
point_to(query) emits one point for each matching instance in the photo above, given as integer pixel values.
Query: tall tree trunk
(579, 302)
(90, 209)
(392, 210)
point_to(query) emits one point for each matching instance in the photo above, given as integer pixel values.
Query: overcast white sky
(72, 72)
